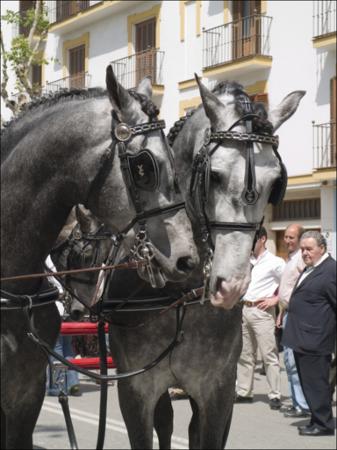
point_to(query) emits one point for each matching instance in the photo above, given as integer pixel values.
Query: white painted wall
(7, 32)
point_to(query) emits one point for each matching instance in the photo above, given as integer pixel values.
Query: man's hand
(265, 303)
(279, 319)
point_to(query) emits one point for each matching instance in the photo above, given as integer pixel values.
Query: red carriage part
(92, 363)
(80, 328)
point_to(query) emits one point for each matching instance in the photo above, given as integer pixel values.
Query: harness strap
(33, 335)
(18, 301)
(152, 213)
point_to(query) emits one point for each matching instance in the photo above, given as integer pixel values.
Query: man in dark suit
(311, 331)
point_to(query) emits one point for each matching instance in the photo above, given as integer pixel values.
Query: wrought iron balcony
(79, 81)
(132, 69)
(324, 145)
(324, 18)
(249, 36)
(61, 10)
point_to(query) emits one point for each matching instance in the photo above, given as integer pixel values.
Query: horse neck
(38, 191)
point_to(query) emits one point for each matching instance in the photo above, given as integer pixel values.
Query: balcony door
(146, 50)
(66, 8)
(77, 67)
(246, 28)
(333, 94)
(24, 7)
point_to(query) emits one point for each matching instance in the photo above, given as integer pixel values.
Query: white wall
(7, 32)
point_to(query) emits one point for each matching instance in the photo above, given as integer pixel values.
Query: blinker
(144, 170)
(122, 132)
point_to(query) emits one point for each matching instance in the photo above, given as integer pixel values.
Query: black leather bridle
(198, 192)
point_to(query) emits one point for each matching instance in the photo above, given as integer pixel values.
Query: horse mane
(51, 99)
(65, 95)
(48, 100)
(261, 125)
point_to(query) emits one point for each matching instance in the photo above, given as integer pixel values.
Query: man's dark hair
(262, 233)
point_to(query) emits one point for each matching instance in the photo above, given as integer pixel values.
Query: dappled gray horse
(227, 193)
(65, 150)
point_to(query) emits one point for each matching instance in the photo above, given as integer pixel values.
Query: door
(333, 95)
(24, 7)
(146, 50)
(77, 67)
(261, 98)
(246, 28)
(66, 8)
(281, 249)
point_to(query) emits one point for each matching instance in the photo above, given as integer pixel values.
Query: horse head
(236, 172)
(143, 185)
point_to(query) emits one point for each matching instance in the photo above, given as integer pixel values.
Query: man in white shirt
(258, 324)
(293, 268)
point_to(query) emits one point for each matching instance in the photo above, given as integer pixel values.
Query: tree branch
(4, 93)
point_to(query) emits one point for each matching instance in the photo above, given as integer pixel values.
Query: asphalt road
(254, 426)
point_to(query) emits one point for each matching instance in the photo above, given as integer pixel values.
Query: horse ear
(285, 109)
(67, 228)
(119, 97)
(210, 102)
(83, 216)
(145, 87)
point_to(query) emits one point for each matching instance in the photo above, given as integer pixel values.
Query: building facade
(270, 47)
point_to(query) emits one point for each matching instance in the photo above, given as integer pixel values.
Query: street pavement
(254, 426)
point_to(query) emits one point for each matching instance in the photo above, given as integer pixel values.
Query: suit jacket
(311, 321)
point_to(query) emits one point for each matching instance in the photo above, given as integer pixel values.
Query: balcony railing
(324, 17)
(324, 145)
(61, 10)
(132, 69)
(79, 81)
(249, 36)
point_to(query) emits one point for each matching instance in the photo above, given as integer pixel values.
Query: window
(298, 209)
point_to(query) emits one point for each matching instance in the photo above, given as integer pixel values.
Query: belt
(250, 304)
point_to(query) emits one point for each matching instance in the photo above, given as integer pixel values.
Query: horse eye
(215, 177)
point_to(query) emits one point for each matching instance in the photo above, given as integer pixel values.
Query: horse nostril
(185, 264)
(76, 315)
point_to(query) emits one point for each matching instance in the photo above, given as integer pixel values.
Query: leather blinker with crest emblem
(144, 170)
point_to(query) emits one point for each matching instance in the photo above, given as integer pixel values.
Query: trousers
(258, 332)
(313, 371)
(295, 388)
(66, 378)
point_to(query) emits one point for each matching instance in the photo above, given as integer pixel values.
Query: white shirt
(309, 269)
(265, 278)
(294, 266)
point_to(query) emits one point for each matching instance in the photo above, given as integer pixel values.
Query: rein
(129, 265)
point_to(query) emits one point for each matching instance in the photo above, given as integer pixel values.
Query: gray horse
(204, 362)
(55, 155)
